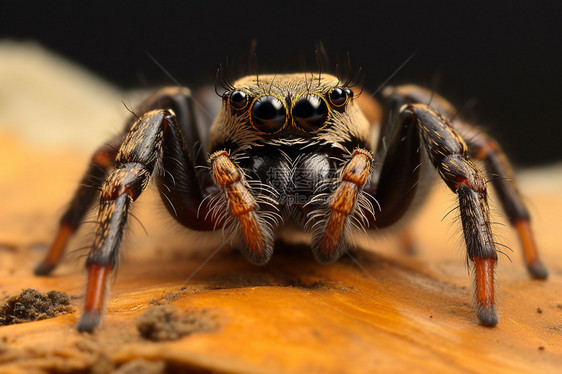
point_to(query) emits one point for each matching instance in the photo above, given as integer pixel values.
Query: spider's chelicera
(294, 148)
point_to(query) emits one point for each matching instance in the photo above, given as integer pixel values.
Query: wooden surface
(384, 311)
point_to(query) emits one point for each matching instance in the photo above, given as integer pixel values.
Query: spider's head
(290, 107)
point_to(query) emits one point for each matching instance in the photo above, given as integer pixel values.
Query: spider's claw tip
(537, 270)
(43, 268)
(488, 315)
(88, 322)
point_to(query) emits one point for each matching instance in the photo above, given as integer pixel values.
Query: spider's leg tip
(537, 270)
(488, 315)
(44, 268)
(88, 322)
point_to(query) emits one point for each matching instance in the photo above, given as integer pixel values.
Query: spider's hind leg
(101, 162)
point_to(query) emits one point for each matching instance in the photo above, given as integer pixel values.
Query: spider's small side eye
(238, 100)
(310, 112)
(268, 114)
(339, 96)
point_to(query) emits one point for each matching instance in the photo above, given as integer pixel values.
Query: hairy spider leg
(449, 154)
(397, 181)
(135, 163)
(482, 147)
(153, 146)
(103, 160)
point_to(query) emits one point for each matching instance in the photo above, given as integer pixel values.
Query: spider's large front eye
(310, 112)
(268, 114)
(339, 96)
(238, 100)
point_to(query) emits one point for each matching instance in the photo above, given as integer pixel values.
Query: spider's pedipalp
(257, 237)
(331, 242)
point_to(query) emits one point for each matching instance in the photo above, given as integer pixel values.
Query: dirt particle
(160, 323)
(539, 310)
(142, 367)
(8, 247)
(31, 305)
(541, 348)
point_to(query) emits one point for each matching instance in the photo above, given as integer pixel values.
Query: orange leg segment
(93, 305)
(102, 160)
(56, 250)
(485, 303)
(534, 264)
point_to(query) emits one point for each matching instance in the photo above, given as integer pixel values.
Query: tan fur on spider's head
(342, 121)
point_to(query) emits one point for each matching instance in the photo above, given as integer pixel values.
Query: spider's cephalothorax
(293, 148)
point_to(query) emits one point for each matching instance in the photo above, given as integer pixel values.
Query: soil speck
(161, 323)
(142, 367)
(31, 305)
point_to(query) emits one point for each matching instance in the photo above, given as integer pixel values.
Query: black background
(505, 58)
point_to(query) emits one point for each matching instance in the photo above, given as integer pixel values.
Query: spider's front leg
(449, 155)
(482, 147)
(153, 146)
(395, 184)
(183, 184)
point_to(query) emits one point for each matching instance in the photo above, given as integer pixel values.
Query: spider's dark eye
(310, 112)
(339, 96)
(238, 100)
(268, 114)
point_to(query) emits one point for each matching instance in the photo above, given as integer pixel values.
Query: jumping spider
(270, 134)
